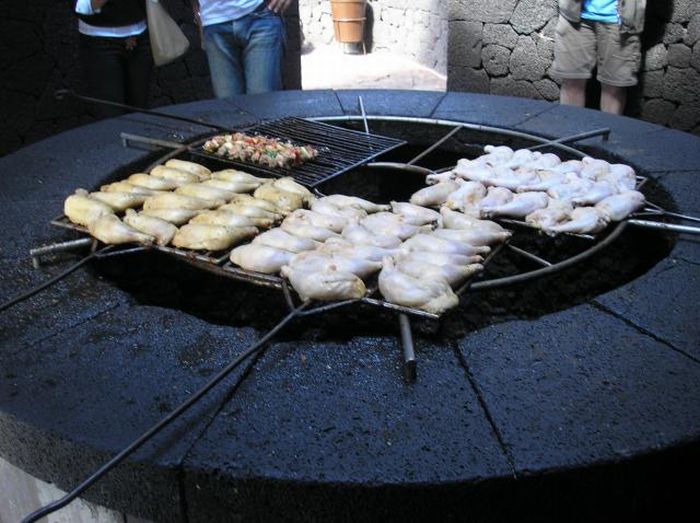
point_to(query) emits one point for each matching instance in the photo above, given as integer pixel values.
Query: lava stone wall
(507, 47)
(417, 29)
(39, 54)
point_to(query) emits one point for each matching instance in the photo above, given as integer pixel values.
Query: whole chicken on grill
(351, 213)
(570, 189)
(219, 217)
(430, 295)
(111, 230)
(180, 201)
(205, 192)
(328, 285)
(520, 206)
(120, 201)
(496, 196)
(174, 215)
(176, 176)
(232, 187)
(467, 196)
(390, 224)
(429, 242)
(306, 230)
(474, 236)
(619, 206)
(251, 210)
(323, 261)
(288, 184)
(598, 191)
(200, 236)
(415, 214)
(243, 182)
(440, 258)
(286, 201)
(191, 167)
(152, 182)
(281, 239)
(453, 274)
(250, 200)
(557, 211)
(544, 181)
(434, 195)
(343, 247)
(306, 217)
(163, 231)
(341, 200)
(583, 220)
(457, 220)
(622, 176)
(360, 235)
(81, 209)
(260, 258)
(126, 187)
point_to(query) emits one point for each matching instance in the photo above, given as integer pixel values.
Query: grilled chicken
(174, 215)
(434, 195)
(557, 211)
(161, 230)
(83, 210)
(430, 295)
(306, 230)
(235, 176)
(288, 184)
(260, 258)
(323, 262)
(286, 201)
(251, 210)
(219, 217)
(126, 187)
(583, 220)
(431, 243)
(152, 182)
(360, 235)
(175, 175)
(205, 192)
(520, 206)
(333, 223)
(206, 237)
(619, 206)
(180, 201)
(415, 214)
(248, 199)
(354, 214)
(120, 201)
(341, 200)
(453, 274)
(111, 230)
(467, 196)
(328, 285)
(191, 167)
(390, 224)
(281, 239)
(233, 187)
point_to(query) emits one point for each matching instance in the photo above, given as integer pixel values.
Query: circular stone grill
(422, 449)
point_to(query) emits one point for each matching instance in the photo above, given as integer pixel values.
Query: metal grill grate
(339, 149)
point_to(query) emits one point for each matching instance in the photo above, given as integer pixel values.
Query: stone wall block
(532, 15)
(658, 111)
(679, 55)
(466, 42)
(500, 34)
(468, 79)
(494, 11)
(509, 87)
(653, 83)
(495, 59)
(695, 57)
(548, 89)
(681, 85)
(525, 63)
(656, 58)
(692, 34)
(685, 118)
(674, 33)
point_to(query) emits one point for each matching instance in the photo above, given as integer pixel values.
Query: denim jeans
(245, 55)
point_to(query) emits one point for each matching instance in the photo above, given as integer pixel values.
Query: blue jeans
(245, 55)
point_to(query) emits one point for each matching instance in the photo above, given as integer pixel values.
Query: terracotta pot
(348, 20)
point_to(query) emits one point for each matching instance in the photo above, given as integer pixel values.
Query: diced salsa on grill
(260, 150)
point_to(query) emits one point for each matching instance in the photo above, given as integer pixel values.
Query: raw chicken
(345, 248)
(434, 178)
(353, 201)
(161, 230)
(360, 235)
(415, 214)
(206, 237)
(205, 192)
(83, 210)
(454, 274)
(494, 196)
(468, 195)
(152, 182)
(128, 188)
(323, 262)
(584, 220)
(473, 171)
(474, 236)
(250, 210)
(622, 176)
(111, 230)
(235, 176)
(333, 223)
(520, 206)
(433, 296)
(305, 230)
(180, 201)
(619, 206)
(457, 220)
(286, 201)
(174, 215)
(519, 158)
(429, 242)
(260, 258)
(557, 211)
(281, 239)
(434, 195)
(175, 175)
(598, 191)
(440, 258)
(120, 201)
(389, 224)
(542, 161)
(498, 153)
(202, 172)
(508, 178)
(288, 184)
(594, 169)
(325, 286)
(354, 214)
(219, 217)
(570, 166)
(544, 181)
(570, 189)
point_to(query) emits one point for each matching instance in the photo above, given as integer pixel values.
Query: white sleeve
(84, 7)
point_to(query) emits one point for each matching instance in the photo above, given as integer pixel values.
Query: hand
(278, 6)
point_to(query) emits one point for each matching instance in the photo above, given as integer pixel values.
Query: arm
(278, 6)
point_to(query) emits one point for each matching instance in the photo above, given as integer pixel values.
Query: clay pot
(348, 20)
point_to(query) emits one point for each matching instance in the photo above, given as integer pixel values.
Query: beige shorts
(580, 47)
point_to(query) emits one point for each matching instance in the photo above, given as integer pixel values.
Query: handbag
(168, 42)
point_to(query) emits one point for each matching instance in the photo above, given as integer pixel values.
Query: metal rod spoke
(364, 114)
(670, 227)
(409, 353)
(574, 138)
(529, 255)
(436, 145)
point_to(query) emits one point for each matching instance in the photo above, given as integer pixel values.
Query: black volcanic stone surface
(323, 426)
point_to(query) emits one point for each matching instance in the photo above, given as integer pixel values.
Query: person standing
(115, 52)
(244, 42)
(602, 33)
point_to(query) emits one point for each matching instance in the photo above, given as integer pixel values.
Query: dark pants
(116, 69)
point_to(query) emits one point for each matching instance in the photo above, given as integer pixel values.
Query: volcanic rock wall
(39, 55)
(506, 47)
(416, 29)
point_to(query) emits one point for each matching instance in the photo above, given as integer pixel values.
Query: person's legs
(103, 71)
(139, 65)
(574, 59)
(224, 53)
(619, 58)
(612, 98)
(264, 51)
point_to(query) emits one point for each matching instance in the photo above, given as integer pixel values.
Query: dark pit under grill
(573, 397)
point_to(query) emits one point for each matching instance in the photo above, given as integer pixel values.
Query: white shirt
(217, 11)
(84, 7)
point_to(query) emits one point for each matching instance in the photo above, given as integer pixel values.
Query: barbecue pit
(436, 371)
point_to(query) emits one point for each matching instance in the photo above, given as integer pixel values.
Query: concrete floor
(329, 67)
